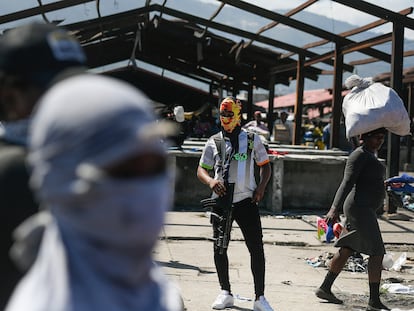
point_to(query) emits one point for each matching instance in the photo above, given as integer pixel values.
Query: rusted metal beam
(284, 20)
(289, 67)
(354, 47)
(303, 27)
(116, 24)
(320, 58)
(364, 61)
(357, 47)
(373, 60)
(408, 53)
(232, 30)
(283, 68)
(324, 58)
(104, 53)
(94, 22)
(41, 10)
(245, 34)
(378, 11)
(275, 23)
(107, 23)
(194, 72)
(211, 18)
(327, 72)
(352, 32)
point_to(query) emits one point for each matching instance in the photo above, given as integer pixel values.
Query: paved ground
(185, 252)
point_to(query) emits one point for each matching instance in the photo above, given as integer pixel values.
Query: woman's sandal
(323, 294)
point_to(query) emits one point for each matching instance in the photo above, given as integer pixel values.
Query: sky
(328, 8)
(337, 11)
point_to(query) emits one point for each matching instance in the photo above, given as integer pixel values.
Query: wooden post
(410, 102)
(397, 59)
(300, 82)
(337, 97)
(393, 144)
(270, 113)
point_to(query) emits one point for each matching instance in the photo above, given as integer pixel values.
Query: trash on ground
(355, 263)
(319, 261)
(241, 298)
(399, 262)
(398, 288)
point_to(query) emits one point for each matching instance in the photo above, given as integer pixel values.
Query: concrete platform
(300, 179)
(185, 252)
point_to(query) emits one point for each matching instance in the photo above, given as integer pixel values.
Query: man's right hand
(217, 186)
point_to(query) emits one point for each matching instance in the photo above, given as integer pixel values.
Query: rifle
(222, 210)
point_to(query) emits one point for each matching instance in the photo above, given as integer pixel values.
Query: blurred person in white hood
(100, 172)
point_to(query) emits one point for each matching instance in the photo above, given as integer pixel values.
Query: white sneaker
(262, 305)
(223, 300)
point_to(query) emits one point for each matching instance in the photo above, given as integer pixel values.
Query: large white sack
(369, 106)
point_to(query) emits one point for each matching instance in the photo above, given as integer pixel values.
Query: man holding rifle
(233, 154)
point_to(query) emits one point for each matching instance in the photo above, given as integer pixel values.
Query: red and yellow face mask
(230, 114)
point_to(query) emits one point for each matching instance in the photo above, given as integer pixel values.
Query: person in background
(233, 161)
(100, 170)
(360, 193)
(326, 135)
(32, 57)
(345, 144)
(177, 115)
(282, 131)
(318, 136)
(257, 125)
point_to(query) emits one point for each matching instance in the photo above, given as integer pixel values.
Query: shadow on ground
(178, 265)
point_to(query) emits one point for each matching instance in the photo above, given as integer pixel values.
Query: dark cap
(39, 48)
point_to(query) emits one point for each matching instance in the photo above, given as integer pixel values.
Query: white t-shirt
(241, 170)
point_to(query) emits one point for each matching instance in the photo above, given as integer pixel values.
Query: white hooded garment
(96, 251)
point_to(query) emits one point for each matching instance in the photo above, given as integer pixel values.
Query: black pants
(246, 214)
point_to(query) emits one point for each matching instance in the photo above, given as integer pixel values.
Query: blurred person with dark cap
(100, 169)
(32, 57)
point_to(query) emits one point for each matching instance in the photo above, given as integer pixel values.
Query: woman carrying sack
(361, 193)
(370, 110)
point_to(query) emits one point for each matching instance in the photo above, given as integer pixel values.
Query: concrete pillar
(276, 194)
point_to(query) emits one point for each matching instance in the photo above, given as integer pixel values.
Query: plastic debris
(241, 298)
(324, 229)
(388, 261)
(398, 288)
(399, 262)
(356, 263)
(320, 261)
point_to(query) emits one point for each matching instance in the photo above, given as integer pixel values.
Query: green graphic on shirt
(240, 156)
(251, 144)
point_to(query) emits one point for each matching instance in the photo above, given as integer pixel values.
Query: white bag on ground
(369, 106)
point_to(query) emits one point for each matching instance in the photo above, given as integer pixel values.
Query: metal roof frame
(228, 65)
